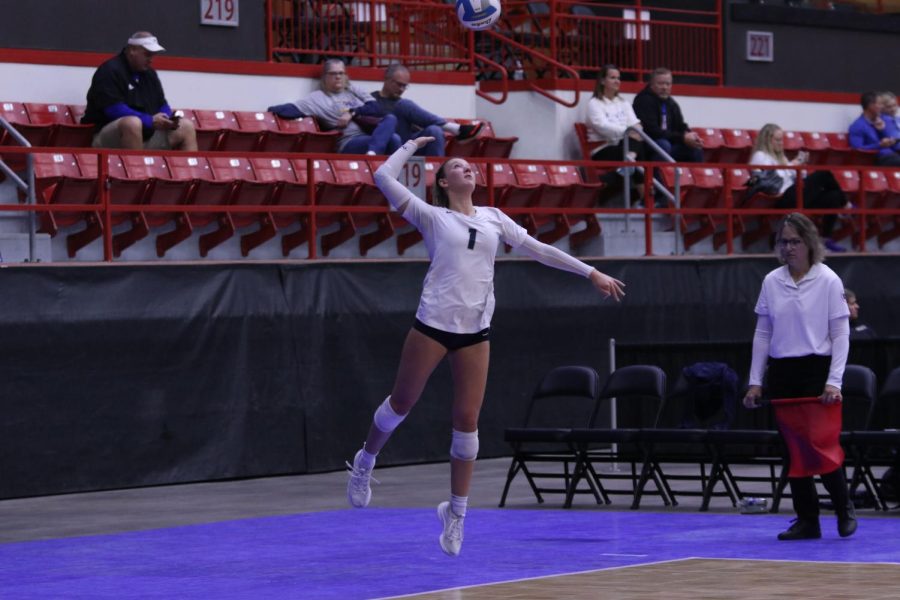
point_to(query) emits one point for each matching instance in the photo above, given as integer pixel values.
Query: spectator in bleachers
(663, 121)
(858, 329)
(414, 121)
(127, 106)
(820, 189)
(889, 109)
(608, 117)
(872, 131)
(341, 105)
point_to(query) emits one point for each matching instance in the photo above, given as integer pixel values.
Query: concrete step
(14, 248)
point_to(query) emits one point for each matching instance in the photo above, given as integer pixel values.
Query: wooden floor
(698, 579)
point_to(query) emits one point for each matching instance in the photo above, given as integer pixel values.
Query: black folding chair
(639, 392)
(566, 397)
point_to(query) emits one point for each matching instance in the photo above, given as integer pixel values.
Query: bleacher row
(63, 178)
(734, 146)
(241, 179)
(221, 130)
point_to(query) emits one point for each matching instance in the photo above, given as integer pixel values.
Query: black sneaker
(467, 132)
(847, 521)
(801, 530)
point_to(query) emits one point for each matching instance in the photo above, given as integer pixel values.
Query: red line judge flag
(812, 433)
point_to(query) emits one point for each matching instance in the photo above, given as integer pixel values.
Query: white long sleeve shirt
(458, 292)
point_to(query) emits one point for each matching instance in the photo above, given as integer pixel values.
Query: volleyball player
(453, 319)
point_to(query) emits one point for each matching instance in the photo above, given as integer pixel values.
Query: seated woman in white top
(608, 117)
(820, 189)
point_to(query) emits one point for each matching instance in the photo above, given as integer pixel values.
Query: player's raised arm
(386, 175)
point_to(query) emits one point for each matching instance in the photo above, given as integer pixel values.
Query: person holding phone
(127, 106)
(820, 188)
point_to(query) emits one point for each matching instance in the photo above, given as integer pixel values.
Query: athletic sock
(458, 505)
(451, 127)
(366, 460)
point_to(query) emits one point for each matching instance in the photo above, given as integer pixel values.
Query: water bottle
(750, 506)
(518, 71)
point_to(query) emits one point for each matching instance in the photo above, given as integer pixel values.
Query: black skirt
(797, 377)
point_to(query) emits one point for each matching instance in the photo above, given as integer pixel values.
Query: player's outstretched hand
(608, 286)
(421, 142)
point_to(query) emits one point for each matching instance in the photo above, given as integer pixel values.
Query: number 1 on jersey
(472, 233)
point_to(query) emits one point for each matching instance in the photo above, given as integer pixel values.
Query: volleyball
(478, 14)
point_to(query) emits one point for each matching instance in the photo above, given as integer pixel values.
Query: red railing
(868, 216)
(542, 35)
(368, 33)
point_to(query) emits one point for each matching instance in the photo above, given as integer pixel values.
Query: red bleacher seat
(842, 154)
(211, 126)
(875, 192)
(279, 173)
(581, 195)
(16, 114)
(493, 146)
(466, 148)
(66, 130)
(356, 173)
(816, 143)
(545, 194)
(185, 172)
(736, 147)
(269, 138)
(734, 189)
(245, 190)
(850, 183)
(500, 173)
(706, 191)
(311, 138)
(328, 192)
(889, 228)
(58, 179)
(248, 131)
(712, 140)
(132, 180)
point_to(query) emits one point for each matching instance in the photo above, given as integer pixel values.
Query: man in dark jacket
(127, 106)
(662, 119)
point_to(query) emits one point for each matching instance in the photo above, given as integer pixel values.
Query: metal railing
(368, 33)
(727, 213)
(568, 38)
(25, 186)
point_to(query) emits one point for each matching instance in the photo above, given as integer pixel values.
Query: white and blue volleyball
(478, 14)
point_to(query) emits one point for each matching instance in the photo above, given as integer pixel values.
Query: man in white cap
(127, 106)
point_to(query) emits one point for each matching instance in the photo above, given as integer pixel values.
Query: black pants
(617, 152)
(796, 378)
(820, 190)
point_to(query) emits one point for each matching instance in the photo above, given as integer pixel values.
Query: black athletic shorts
(453, 341)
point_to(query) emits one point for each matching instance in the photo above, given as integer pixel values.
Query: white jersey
(458, 293)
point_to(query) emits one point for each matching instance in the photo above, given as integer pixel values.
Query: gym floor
(295, 537)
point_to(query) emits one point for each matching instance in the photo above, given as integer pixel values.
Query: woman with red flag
(803, 335)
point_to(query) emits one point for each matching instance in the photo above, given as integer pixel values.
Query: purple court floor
(377, 553)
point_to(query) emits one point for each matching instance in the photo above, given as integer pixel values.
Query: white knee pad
(386, 419)
(464, 445)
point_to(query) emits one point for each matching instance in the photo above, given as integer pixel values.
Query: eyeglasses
(338, 73)
(792, 242)
(400, 84)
